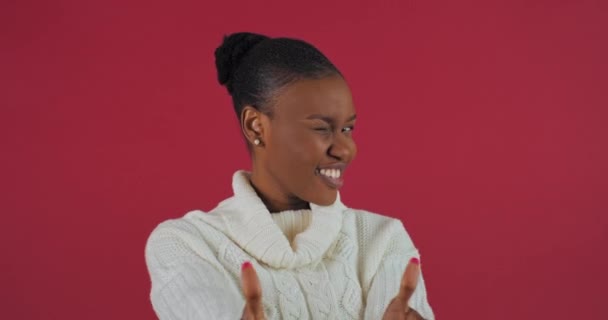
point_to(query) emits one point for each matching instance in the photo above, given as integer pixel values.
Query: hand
(254, 310)
(398, 309)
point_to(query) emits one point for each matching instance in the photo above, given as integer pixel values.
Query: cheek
(354, 150)
(298, 149)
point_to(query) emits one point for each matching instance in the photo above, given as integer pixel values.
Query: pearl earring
(256, 141)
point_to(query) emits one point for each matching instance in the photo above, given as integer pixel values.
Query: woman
(285, 246)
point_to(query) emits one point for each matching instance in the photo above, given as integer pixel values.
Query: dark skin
(295, 142)
(310, 128)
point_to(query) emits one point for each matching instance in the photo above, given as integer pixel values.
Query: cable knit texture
(329, 262)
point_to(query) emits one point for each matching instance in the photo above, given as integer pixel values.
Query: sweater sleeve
(187, 283)
(385, 283)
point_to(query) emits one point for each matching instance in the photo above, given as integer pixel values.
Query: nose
(343, 148)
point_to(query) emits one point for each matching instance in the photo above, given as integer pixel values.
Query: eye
(322, 129)
(348, 129)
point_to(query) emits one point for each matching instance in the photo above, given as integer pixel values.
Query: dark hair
(253, 66)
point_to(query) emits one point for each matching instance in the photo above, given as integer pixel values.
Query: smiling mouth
(331, 177)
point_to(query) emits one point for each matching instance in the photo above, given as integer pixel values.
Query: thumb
(252, 291)
(409, 281)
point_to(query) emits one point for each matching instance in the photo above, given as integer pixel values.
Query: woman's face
(308, 141)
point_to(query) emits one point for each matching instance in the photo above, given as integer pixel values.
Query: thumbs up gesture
(254, 309)
(399, 309)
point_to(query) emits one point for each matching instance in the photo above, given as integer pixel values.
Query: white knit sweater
(329, 262)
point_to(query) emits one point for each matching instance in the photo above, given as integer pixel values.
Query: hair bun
(230, 53)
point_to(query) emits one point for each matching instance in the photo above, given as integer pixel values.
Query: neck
(275, 200)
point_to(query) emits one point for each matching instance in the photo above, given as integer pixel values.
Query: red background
(482, 125)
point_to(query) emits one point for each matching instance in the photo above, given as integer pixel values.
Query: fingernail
(415, 261)
(246, 265)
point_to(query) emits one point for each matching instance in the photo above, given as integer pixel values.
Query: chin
(327, 198)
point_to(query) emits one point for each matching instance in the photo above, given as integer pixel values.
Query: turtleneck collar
(250, 225)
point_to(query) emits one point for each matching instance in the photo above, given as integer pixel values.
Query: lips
(332, 175)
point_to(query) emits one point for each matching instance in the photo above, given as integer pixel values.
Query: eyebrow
(328, 119)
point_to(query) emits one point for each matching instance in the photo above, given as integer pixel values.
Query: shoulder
(379, 233)
(192, 236)
(182, 225)
(375, 223)
(372, 219)
(169, 235)
(189, 225)
(194, 223)
(380, 238)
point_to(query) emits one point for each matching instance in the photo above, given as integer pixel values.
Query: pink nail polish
(415, 261)
(246, 265)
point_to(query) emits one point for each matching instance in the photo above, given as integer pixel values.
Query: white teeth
(332, 173)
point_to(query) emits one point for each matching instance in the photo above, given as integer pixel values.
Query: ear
(252, 124)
